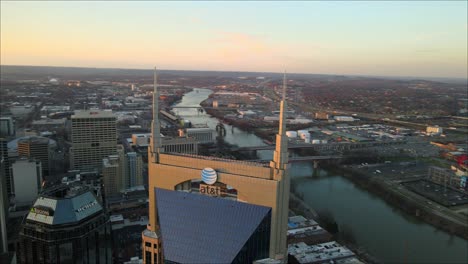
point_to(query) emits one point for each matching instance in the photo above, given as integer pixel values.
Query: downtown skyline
(360, 38)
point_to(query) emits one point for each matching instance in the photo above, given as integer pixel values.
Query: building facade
(4, 204)
(204, 135)
(66, 224)
(188, 145)
(112, 175)
(134, 170)
(5, 166)
(255, 183)
(27, 180)
(37, 148)
(7, 126)
(434, 130)
(94, 137)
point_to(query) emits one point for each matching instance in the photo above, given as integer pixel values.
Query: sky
(414, 38)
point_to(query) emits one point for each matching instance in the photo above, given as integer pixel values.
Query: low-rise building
(49, 124)
(321, 253)
(204, 135)
(343, 118)
(126, 234)
(91, 179)
(187, 145)
(434, 130)
(52, 109)
(305, 230)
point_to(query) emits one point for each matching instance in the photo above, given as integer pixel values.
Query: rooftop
(217, 230)
(319, 253)
(34, 140)
(243, 162)
(49, 121)
(298, 221)
(64, 204)
(93, 114)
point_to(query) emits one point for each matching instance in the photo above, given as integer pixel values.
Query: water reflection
(387, 233)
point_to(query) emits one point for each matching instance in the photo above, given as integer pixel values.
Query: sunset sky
(383, 38)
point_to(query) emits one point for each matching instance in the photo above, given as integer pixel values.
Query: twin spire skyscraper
(256, 184)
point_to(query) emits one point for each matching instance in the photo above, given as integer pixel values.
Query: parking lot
(437, 193)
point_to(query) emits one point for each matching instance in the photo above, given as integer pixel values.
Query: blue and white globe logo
(209, 175)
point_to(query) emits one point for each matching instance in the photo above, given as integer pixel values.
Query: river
(385, 232)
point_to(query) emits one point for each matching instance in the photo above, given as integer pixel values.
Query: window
(147, 244)
(148, 257)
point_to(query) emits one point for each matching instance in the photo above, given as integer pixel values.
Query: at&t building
(210, 210)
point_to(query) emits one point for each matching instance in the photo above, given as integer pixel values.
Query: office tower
(4, 203)
(66, 224)
(5, 165)
(259, 185)
(134, 170)
(27, 180)
(112, 175)
(114, 172)
(37, 148)
(5, 192)
(94, 137)
(7, 126)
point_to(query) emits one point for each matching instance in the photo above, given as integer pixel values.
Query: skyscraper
(37, 148)
(27, 180)
(5, 166)
(5, 192)
(254, 183)
(7, 126)
(66, 224)
(134, 170)
(94, 137)
(3, 216)
(114, 172)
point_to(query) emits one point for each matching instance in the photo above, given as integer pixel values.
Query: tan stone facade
(151, 245)
(254, 183)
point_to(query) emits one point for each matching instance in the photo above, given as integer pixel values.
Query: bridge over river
(323, 147)
(306, 158)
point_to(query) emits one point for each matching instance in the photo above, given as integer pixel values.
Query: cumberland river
(385, 232)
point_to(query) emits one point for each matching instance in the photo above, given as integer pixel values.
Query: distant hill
(13, 72)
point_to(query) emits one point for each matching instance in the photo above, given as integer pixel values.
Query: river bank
(299, 207)
(379, 187)
(388, 193)
(389, 234)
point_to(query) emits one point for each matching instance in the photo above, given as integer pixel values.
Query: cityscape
(181, 132)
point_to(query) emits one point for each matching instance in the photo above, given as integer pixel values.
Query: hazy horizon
(429, 78)
(420, 39)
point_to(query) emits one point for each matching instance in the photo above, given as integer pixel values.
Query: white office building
(94, 137)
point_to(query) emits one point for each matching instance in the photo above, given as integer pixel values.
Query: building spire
(283, 106)
(280, 155)
(284, 86)
(156, 126)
